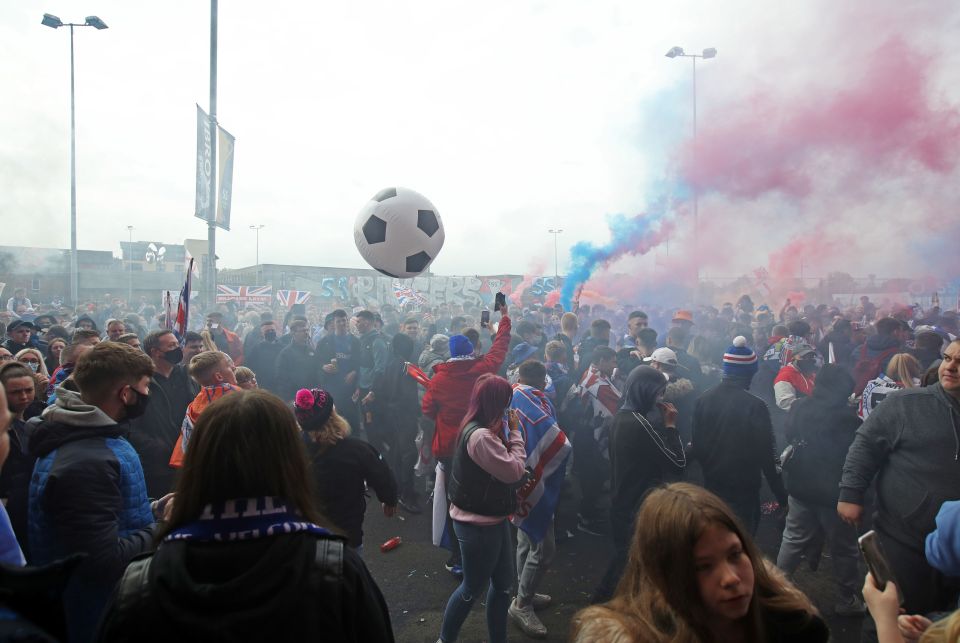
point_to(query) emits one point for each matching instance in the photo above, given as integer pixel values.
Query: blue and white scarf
(244, 519)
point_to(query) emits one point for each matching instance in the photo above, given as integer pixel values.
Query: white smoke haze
(512, 118)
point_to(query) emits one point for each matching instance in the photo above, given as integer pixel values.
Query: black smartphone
(484, 318)
(499, 301)
(877, 564)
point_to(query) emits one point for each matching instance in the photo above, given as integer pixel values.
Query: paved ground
(417, 586)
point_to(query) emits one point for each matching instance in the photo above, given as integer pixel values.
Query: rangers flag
(547, 451)
(288, 298)
(406, 295)
(244, 294)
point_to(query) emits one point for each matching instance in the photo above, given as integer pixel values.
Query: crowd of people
(215, 484)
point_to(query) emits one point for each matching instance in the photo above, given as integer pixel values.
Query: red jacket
(448, 395)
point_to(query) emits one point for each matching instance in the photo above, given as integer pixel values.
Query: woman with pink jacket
(486, 472)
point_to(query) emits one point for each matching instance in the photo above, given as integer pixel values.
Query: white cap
(663, 356)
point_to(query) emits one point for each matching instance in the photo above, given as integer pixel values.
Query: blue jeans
(487, 553)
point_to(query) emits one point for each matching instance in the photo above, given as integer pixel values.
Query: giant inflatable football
(399, 232)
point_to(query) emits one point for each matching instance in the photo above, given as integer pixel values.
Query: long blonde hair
(334, 430)
(904, 369)
(42, 369)
(658, 599)
(946, 630)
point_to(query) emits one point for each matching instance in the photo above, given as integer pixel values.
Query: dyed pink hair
(490, 398)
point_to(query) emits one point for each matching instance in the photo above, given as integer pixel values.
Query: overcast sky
(511, 116)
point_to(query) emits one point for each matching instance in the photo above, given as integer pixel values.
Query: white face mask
(33, 366)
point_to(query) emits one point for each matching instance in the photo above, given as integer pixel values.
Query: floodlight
(93, 21)
(674, 52)
(51, 20)
(710, 53)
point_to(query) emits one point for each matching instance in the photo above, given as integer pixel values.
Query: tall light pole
(130, 267)
(55, 23)
(556, 260)
(212, 221)
(711, 52)
(257, 229)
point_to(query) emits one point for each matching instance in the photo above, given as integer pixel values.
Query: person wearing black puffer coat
(821, 429)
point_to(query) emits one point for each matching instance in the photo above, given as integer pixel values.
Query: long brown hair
(244, 445)
(658, 598)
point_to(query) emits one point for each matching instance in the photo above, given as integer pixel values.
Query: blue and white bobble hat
(740, 360)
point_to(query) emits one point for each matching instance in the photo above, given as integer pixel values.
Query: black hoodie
(639, 446)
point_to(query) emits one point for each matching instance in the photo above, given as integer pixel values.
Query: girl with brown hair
(694, 575)
(242, 555)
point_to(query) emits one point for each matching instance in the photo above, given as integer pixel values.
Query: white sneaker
(541, 601)
(525, 618)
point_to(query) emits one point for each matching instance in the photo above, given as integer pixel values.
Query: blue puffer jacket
(87, 495)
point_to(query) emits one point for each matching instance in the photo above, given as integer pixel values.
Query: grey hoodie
(72, 410)
(911, 444)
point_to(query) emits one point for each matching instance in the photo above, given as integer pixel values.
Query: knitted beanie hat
(312, 408)
(460, 346)
(740, 360)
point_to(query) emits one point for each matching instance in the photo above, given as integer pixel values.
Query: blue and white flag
(547, 452)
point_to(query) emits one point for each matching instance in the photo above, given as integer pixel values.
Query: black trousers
(591, 469)
(403, 454)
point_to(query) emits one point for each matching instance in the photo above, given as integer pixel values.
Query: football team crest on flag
(407, 295)
(244, 294)
(547, 451)
(289, 298)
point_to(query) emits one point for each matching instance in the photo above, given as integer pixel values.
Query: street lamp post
(556, 260)
(711, 52)
(130, 267)
(257, 228)
(55, 23)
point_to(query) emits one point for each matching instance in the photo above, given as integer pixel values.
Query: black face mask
(139, 407)
(807, 366)
(175, 356)
(270, 335)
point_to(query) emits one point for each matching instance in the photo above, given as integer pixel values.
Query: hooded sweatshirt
(643, 452)
(87, 496)
(911, 444)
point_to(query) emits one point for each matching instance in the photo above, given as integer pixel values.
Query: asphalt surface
(416, 585)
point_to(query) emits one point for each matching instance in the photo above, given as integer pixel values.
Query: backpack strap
(133, 591)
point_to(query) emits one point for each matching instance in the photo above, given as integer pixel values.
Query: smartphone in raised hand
(499, 301)
(877, 564)
(484, 318)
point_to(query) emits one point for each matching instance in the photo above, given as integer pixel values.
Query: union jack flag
(183, 308)
(288, 298)
(406, 295)
(244, 294)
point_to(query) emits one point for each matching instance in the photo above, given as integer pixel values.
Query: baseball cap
(663, 356)
(683, 315)
(20, 323)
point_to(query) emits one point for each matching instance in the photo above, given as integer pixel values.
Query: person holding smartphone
(645, 452)
(485, 473)
(909, 445)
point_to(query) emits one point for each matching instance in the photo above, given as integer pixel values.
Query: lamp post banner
(225, 142)
(204, 200)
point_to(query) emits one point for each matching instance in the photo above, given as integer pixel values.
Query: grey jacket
(911, 444)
